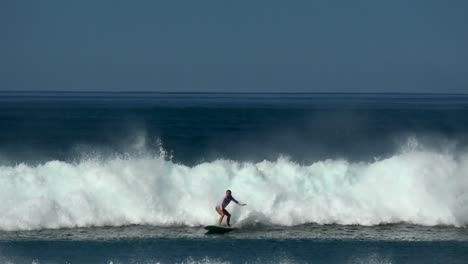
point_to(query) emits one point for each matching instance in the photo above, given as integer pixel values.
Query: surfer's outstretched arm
(237, 202)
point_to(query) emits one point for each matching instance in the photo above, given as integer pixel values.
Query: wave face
(414, 186)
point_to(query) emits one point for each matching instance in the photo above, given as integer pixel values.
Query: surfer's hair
(228, 191)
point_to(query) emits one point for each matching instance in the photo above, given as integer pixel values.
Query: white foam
(417, 186)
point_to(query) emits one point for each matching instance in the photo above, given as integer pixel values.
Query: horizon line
(211, 92)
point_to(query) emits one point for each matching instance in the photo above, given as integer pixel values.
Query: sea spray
(413, 186)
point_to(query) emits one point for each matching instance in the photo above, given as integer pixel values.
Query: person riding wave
(221, 207)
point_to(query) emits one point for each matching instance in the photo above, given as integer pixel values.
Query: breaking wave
(414, 186)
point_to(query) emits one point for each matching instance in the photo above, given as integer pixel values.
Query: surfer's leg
(220, 220)
(228, 220)
(221, 213)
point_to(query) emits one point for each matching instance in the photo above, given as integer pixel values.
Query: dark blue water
(204, 127)
(302, 244)
(368, 178)
(236, 251)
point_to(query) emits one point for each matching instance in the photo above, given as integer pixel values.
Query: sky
(377, 46)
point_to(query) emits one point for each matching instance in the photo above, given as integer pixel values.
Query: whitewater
(414, 186)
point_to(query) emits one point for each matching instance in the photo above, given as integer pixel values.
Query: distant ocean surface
(91, 177)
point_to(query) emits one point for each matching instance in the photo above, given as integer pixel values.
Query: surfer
(221, 207)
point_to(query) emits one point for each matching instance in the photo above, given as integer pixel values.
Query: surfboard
(213, 229)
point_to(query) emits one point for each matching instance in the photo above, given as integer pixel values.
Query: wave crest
(416, 186)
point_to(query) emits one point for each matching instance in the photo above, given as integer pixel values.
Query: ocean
(91, 177)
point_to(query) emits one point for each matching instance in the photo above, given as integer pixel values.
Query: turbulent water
(415, 187)
(131, 177)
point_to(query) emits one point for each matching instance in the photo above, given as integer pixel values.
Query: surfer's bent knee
(226, 212)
